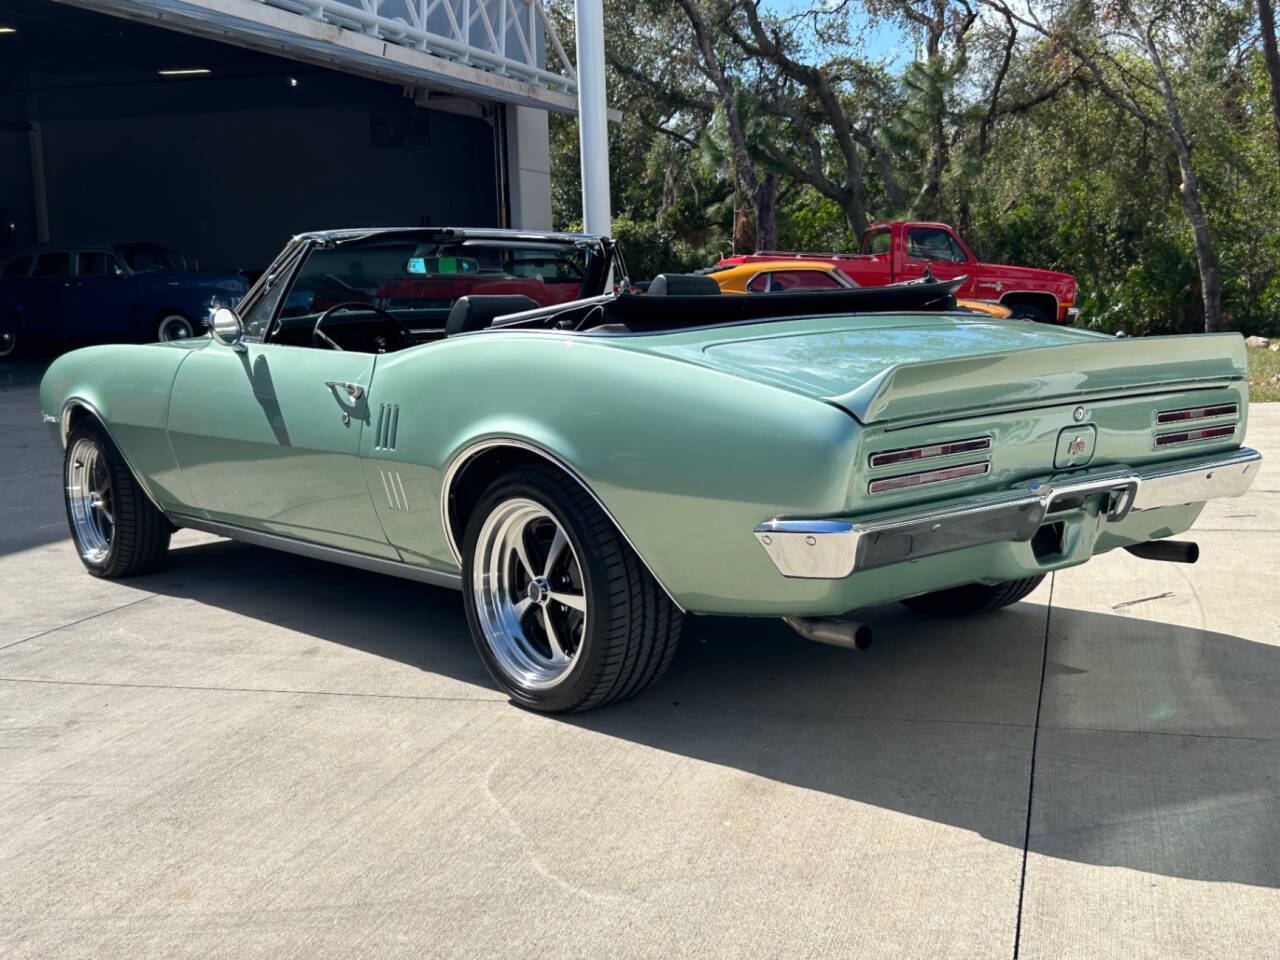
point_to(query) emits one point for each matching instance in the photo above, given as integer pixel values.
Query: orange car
(777, 276)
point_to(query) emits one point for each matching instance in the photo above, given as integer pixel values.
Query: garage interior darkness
(224, 165)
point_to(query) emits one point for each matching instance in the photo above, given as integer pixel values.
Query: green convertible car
(495, 412)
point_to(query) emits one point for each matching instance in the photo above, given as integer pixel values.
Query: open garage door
(115, 130)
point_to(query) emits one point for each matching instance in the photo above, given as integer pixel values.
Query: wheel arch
(473, 468)
(74, 411)
(1042, 299)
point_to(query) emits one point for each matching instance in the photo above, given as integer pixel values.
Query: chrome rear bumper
(831, 549)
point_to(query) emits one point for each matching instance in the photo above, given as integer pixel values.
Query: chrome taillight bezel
(928, 451)
(1211, 411)
(922, 478)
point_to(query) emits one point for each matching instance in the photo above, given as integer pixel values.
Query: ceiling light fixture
(186, 72)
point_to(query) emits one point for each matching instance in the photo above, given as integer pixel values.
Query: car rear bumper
(832, 549)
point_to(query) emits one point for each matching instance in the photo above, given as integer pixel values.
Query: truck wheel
(1027, 311)
(562, 611)
(174, 326)
(972, 598)
(117, 531)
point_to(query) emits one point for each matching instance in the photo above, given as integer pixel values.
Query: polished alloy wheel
(174, 327)
(90, 500)
(529, 593)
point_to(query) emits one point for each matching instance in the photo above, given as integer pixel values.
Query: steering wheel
(321, 339)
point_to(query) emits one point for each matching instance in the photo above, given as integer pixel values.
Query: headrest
(683, 285)
(477, 311)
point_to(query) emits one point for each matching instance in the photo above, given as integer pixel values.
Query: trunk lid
(918, 367)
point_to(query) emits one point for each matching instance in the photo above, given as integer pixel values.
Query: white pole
(593, 131)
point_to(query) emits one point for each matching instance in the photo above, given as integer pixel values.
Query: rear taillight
(1194, 436)
(931, 452)
(905, 480)
(1197, 413)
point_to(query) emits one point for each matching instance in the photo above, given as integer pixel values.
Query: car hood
(918, 366)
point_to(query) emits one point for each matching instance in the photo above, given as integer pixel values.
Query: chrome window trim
(835, 548)
(467, 453)
(319, 551)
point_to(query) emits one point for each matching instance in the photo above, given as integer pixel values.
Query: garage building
(222, 127)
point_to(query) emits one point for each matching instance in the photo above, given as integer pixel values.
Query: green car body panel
(689, 439)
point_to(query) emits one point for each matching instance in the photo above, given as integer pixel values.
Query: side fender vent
(388, 421)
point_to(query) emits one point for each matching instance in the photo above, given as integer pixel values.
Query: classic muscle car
(81, 292)
(587, 473)
(783, 276)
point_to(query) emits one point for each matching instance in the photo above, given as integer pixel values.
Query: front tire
(563, 613)
(972, 598)
(117, 530)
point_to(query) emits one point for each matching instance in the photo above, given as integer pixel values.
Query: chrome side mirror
(227, 328)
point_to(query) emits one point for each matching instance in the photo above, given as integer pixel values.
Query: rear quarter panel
(688, 460)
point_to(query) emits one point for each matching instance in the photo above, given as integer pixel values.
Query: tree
(1125, 55)
(1270, 56)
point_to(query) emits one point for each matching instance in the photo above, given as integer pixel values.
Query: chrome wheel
(8, 341)
(529, 593)
(174, 327)
(90, 500)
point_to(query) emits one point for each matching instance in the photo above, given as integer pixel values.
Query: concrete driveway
(252, 754)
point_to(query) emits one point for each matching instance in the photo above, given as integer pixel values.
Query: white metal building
(221, 127)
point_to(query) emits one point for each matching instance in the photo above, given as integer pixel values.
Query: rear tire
(174, 326)
(536, 535)
(117, 530)
(972, 598)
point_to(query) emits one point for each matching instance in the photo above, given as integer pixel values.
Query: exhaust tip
(1170, 551)
(832, 631)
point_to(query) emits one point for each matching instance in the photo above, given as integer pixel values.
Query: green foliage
(1064, 179)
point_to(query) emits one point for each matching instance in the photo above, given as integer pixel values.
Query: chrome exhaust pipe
(1172, 551)
(837, 633)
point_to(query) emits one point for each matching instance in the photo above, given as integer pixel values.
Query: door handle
(353, 390)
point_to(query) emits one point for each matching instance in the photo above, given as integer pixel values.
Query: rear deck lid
(913, 367)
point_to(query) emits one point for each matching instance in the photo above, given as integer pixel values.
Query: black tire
(140, 533)
(972, 598)
(632, 627)
(174, 325)
(1027, 311)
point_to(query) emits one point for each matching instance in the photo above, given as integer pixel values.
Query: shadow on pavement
(936, 721)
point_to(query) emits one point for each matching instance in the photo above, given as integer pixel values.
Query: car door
(267, 436)
(936, 249)
(101, 300)
(47, 292)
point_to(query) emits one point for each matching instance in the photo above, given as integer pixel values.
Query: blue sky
(880, 41)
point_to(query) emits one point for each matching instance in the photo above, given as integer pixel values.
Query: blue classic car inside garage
(221, 127)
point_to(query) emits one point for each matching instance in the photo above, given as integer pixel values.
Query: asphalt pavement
(252, 754)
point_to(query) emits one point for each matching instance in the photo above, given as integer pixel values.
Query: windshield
(418, 279)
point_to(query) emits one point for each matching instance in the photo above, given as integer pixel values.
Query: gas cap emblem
(1076, 446)
(1078, 415)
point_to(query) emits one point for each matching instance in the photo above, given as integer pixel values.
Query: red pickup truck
(901, 250)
